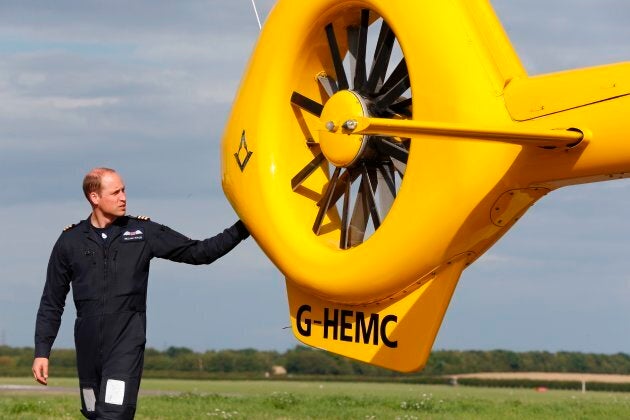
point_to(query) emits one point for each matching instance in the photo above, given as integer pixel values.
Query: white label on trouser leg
(89, 399)
(115, 392)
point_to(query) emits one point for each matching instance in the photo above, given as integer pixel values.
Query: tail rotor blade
(382, 54)
(402, 107)
(394, 150)
(399, 166)
(327, 201)
(307, 104)
(329, 84)
(387, 187)
(342, 81)
(397, 84)
(369, 184)
(345, 232)
(359, 71)
(307, 171)
(359, 220)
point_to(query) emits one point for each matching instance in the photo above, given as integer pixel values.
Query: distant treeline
(186, 363)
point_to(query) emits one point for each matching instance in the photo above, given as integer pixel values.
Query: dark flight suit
(109, 287)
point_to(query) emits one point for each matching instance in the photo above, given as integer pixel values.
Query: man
(106, 260)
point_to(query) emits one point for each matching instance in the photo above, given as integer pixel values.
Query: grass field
(186, 399)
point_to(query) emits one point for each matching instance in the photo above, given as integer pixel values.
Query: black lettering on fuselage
(305, 330)
(331, 323)
(364, 332)
(386, 320)
(347, 325)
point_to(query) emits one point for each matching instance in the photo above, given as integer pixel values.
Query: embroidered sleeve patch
(115, 392)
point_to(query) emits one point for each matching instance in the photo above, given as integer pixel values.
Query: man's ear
(94, 198)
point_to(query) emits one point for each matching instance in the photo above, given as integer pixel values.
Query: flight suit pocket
(85, 270)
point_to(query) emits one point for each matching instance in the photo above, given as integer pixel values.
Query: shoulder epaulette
(146, 218)
(67, 228)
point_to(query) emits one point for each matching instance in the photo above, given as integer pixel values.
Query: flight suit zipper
(102, 310)
(103, 301)
(105, 275)
(113, 269)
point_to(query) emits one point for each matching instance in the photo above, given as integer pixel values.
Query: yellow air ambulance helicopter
(377, 148)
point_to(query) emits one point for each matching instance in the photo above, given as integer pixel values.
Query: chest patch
(133, 235)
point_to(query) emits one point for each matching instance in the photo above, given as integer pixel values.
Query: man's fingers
(45, 373)
(42, 378)
(37, 374)
(41, 375)
(40, 371)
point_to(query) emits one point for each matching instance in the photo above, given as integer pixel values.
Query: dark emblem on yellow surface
(243, 154)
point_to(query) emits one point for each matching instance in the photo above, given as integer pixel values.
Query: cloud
(564, 34)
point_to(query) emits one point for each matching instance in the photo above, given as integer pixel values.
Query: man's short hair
(92, 181)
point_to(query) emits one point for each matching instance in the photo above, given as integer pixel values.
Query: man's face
(111, 200)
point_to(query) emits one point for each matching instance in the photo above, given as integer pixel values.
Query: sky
(146, 87)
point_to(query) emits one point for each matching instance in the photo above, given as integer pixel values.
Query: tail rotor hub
(338, 144)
